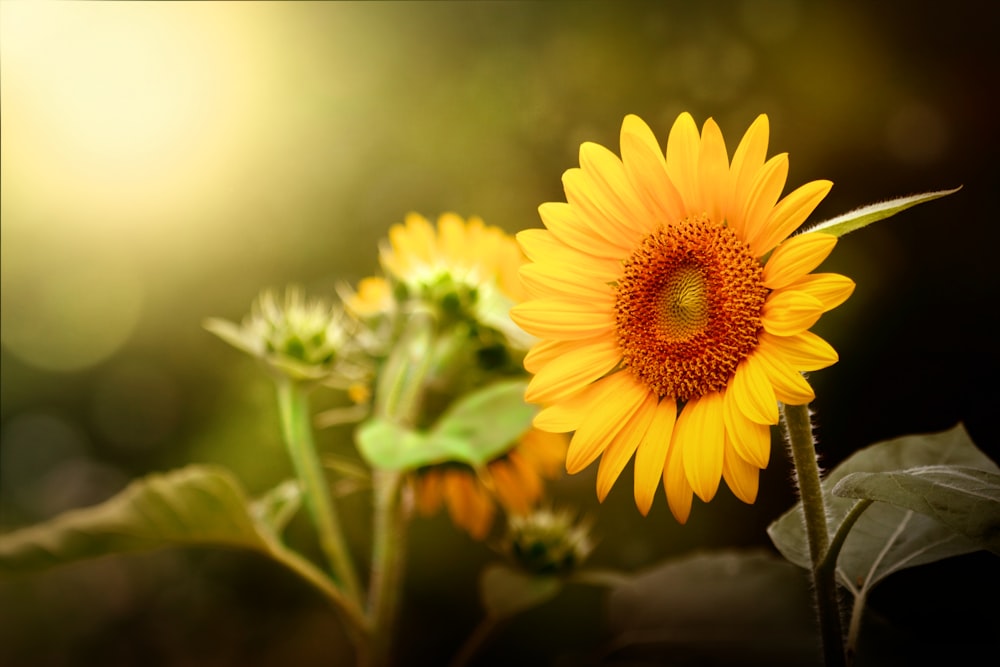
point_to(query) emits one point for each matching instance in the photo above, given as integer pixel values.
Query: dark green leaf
(193, 506)
(716, 608)
(886, 538)
(866, 215)
(506, 591)
(967, 500)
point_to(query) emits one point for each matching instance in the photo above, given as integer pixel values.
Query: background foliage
(163, 163)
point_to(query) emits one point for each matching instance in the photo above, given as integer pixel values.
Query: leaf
(725, 607)
(965, 499)
(866, 215)
(198, 505)
(886, 538)
(506, 591)
(488, 420)
(475, 430)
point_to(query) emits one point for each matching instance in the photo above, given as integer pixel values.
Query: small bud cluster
(548, 542)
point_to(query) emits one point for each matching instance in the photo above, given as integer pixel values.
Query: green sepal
(866, 215)
(506, 591)
(475, 430)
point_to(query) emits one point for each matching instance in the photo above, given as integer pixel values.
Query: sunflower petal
(788, 312)
(612, 192)
(751, 391)
(789, 214)
(579, 233)
(612, 403)
(574, 370)
(767, 185)
(742, 478)
(751, 440)
(562, 319)
(546, 279)
(651, 456)
(796, 257)
(789, 385)
(713, 172)
(747, 161)
(646, 169)
(700, 433)
(832, 289)
(541, 245)
(683, 144)
(675, 482)
(623, 446)
(804, 351)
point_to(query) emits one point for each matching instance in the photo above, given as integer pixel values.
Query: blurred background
(162, 163)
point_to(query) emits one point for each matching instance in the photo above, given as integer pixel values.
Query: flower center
(688, 308)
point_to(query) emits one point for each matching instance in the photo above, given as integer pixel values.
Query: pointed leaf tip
(866, 215)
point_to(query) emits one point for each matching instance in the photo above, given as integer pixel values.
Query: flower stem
(387, 558)
(293, 405)
(798, 430)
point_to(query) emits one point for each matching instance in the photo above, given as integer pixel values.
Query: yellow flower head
(673, 309)
(463, 269)
(514, 480)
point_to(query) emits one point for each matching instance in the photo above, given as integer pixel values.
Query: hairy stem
(798, 430)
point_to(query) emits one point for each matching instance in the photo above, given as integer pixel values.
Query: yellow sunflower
(514, 481)
(673, 309)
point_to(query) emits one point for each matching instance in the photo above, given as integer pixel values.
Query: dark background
(163, 163)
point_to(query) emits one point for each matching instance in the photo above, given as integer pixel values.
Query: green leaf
(488, 420)
(197, 505)
(886, 538)
(965, 499)
(506, 591)
(718, 608)
(866, 215)
(475, 430)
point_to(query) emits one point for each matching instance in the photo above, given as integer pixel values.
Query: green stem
(387, 558)
(476, 641)
(829, 561)
(293, 404)
(798, 429)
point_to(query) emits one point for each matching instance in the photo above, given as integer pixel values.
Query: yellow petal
(541, 245)
(751, 391)
(612, 193)
(832, 289)
(713, 173)
(747, 161)
(573, 371)
(741, 477)
(545, 351)
(651, 456)
(420, 238)
(582, 234)
(563, 319)
(451, 237)
(544, 279)
(751, 440)
(767, 185)
(796, 257)
(646, 170)
(429, 491)
(804, 351)
(789, 214)
(788, 312)
(789, 385)
(618, 453)
(700, 433)
(469, 506)
(675, 482)
(683, 145)
(611, 403)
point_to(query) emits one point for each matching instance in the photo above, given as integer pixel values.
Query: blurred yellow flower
(674, 310)
(515, 481)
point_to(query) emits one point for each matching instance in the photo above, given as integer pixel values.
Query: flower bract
(673, 309)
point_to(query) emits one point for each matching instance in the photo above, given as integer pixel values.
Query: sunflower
(673, 309)
(513, 481)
